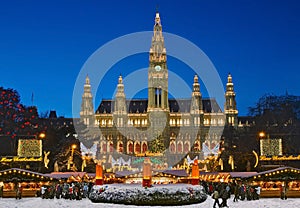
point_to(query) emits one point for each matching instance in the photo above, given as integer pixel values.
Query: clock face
(157, 68)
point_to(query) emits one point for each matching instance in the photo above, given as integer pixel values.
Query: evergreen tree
(157, 145)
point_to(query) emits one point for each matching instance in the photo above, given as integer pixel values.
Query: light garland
(271, 147)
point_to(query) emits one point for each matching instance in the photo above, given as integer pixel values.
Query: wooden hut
(30, 181)
(271, 181)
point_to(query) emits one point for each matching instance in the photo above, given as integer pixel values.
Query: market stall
(29, 182)
(273, 181)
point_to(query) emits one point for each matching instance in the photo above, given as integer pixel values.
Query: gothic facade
(137, 127)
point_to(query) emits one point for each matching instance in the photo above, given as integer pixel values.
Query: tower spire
(158, 72)
(158, 113)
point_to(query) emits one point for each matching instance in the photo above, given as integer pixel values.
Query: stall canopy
(225, 176)
(21, 175)
(75, 176)
(277, 174)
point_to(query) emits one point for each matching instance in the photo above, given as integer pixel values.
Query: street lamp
(261, 135)
(42, 135)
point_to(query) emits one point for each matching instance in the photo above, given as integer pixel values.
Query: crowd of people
(224, 191)
(72, 191)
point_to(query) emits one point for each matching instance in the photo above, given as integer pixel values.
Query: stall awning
(282, 173)
(17, 174)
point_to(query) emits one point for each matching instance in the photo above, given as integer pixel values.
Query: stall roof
(232, 174)
(124, 173)
(278, 169)
(22, 175)
(178, 173)
(241, 174)
(66, 175)
(278, 173)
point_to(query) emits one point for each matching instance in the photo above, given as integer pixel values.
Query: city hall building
(157, 125)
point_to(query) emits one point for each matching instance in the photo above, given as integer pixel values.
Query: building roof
(210, 105)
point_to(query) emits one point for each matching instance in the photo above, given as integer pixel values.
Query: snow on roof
(179, 173)
(61, 175)
(242, 174)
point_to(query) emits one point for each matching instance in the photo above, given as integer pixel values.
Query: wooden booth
(272, 181)
(30, 182)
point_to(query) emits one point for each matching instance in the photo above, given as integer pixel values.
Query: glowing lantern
(195, 173)
(147, 173)
(99, 175)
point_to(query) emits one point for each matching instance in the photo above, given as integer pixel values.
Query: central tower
(158, 105)
(157, 72)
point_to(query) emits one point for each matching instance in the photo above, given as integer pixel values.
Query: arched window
(120, 147)
(111, 146)
(130, 148)
(197, 146)
(103, 147)
(137, 147)
(186, 147)
(144, 147)
(173, 147)
(179, 147)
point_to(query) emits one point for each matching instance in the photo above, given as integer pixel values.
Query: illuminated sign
(21, 159)
(30, 148)
(264, 158)
(153, 160)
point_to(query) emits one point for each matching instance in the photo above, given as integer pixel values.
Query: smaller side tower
(87, 107)
(230, 108)
(196, 103)
(120, 111)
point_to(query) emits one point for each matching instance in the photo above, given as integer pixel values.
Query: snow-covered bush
(175, 194)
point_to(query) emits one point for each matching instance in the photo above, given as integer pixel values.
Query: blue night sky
(44, 44)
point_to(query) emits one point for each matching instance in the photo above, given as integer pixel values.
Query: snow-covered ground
(86, 203)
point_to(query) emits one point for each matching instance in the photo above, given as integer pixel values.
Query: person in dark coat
(224, 194)
(283, 191)
(19, 192)
(236, 193)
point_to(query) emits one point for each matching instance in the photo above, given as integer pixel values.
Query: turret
(230, 108)
(87, 107)
(120, 100)
(120, 108)
(196, 103)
